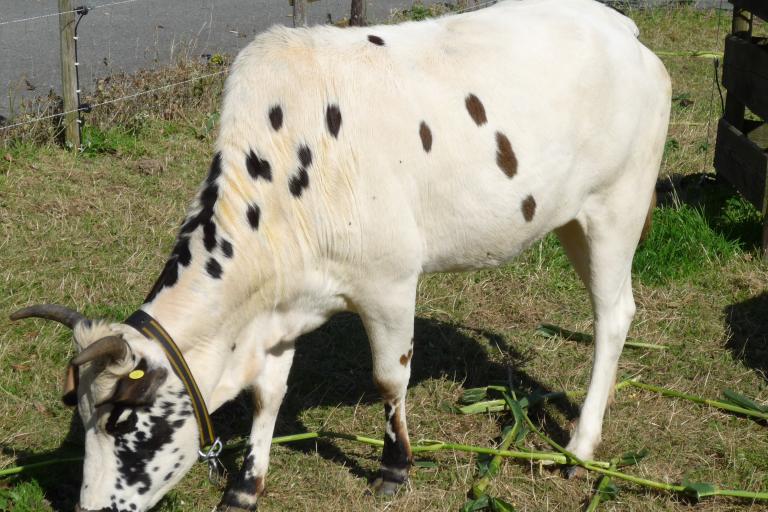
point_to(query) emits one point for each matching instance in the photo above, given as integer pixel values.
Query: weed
(26, 496)
(111, 141)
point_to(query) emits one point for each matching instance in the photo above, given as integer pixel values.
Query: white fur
(583, 103)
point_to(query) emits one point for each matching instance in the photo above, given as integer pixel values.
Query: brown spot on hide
(476, 110)
(505, 156)
(529, 208)
(406, 358)
(426, 136)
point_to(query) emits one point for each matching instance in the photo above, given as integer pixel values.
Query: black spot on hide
(305, 156)
(376, 40)
(298, 183)
(209, 236)
(213, 268)
(253, 214)
(333, 120)
(226, 248)
(276, 117)
(181, 250)
(257, 167)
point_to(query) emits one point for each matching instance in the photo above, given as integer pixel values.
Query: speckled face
(134, 454)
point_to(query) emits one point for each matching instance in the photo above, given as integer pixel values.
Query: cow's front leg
(268, 391)
(390, 331)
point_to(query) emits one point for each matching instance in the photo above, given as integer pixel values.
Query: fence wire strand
(715, 82)
(50, 15)
(114, 100)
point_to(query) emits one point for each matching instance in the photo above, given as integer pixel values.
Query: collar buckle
(216, 470)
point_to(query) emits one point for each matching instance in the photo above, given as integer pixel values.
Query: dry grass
(91, 231)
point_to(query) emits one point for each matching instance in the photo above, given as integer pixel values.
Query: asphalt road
(133, 34)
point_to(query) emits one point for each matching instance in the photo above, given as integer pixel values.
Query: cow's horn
(113, 347)
(61, 314)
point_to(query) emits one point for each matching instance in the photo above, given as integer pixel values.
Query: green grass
(25, 497)
(681, 244)
(92, 231)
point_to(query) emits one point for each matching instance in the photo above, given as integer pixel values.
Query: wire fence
(57, 14)
(474, 5)
(44, 113)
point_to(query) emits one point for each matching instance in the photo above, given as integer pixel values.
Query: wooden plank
(745, 73)
(756, 7)
(743, 164)
(68, 73)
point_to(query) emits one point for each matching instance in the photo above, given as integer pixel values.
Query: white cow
(350, 162)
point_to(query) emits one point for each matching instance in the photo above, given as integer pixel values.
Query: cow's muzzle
(78, 508)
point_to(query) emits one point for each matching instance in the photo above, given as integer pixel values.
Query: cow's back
(459, 140)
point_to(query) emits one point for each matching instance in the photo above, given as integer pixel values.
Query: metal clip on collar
(211, 457)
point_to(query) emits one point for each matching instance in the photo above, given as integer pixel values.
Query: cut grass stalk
(29, 467)
(565, 458)
(705, 401)
(499, 404)
(431, 445)
(603, 489)
(481, 483)
(571, 457)
(552, 331)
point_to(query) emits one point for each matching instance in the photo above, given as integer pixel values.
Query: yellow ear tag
(136, 374)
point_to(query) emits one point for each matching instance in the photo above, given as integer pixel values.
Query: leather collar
(151, 329)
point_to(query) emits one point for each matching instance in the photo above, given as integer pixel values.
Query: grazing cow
(350, 162)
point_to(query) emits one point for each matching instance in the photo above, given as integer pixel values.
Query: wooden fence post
(68, 73)
(299, 13)
(357, 16)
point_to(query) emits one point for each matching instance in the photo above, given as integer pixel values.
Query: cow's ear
(138, 387)
(69, 397)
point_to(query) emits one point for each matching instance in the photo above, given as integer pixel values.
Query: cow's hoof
(385, 488)
(234, 503)
(574, 472)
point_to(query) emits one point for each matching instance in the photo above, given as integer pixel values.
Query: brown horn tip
(112, 347)
(55, 312)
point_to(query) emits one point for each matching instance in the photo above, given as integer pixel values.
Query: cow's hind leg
(601, 243)
(389, 323)
(268, 392)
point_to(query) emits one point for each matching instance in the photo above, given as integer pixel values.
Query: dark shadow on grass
(60, 482)
(332, 367)
(747, 324)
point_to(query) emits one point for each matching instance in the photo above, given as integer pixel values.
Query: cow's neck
(238, 318)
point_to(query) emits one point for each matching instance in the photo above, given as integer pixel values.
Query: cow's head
(141, 435)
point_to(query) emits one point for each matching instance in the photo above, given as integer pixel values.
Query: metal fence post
(299, 13)
(68, 73)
